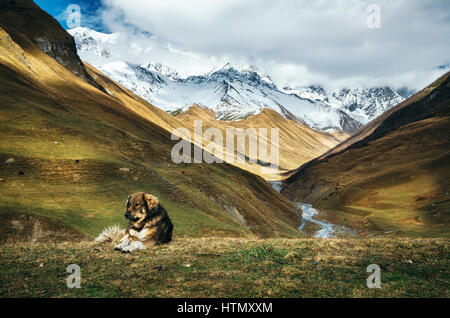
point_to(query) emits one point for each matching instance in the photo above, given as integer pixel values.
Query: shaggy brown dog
(148, 224)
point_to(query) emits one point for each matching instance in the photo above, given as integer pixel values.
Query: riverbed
(327, 229)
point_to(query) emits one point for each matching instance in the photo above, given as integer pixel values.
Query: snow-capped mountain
(363, 104)
(233, 93)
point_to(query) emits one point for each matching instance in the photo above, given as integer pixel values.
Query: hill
(75, 144)
(392, 175)
(298, 143)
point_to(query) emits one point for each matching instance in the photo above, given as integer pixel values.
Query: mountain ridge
(234, 93)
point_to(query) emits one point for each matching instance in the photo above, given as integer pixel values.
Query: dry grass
(230, 268)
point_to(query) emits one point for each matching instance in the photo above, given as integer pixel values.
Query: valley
(88, 118)
(73, 138)
(314, 227)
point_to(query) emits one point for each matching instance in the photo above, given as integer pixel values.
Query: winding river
(327, 230)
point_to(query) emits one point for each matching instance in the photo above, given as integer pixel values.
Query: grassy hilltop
(231, 268)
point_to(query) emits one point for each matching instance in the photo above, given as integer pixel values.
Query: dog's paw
(122, 245)
(135, 246)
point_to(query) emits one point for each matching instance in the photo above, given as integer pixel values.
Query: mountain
(393, 175)
(233, 93)
(74, 144)
(364, 104)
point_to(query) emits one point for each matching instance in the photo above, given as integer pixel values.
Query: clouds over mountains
(305, 42)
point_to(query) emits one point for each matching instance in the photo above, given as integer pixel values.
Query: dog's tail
(110, 234)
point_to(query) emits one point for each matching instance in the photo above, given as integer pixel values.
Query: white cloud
(297, 41)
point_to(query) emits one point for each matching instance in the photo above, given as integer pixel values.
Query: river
(327, 229)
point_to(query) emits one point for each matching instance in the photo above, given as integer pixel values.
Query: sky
(333, 43)
(90, 9)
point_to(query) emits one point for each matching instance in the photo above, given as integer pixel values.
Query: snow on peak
(363, 104)
(83, 33)
(247, 73)
(163, 69)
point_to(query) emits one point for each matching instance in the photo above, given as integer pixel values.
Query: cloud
(299, 41)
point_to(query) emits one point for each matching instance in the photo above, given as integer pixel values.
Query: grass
(230, 268)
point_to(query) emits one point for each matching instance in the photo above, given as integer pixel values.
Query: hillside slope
(71, 154)
(23, 17)
(393, 174)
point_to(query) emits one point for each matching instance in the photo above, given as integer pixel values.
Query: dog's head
(140, 208)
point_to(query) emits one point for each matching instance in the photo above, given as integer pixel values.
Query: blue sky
(89, 11)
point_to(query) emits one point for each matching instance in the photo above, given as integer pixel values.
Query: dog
(148, 225)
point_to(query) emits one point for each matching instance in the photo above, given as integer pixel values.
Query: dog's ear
(151, 202)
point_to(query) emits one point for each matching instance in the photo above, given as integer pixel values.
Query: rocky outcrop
(23, 19)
